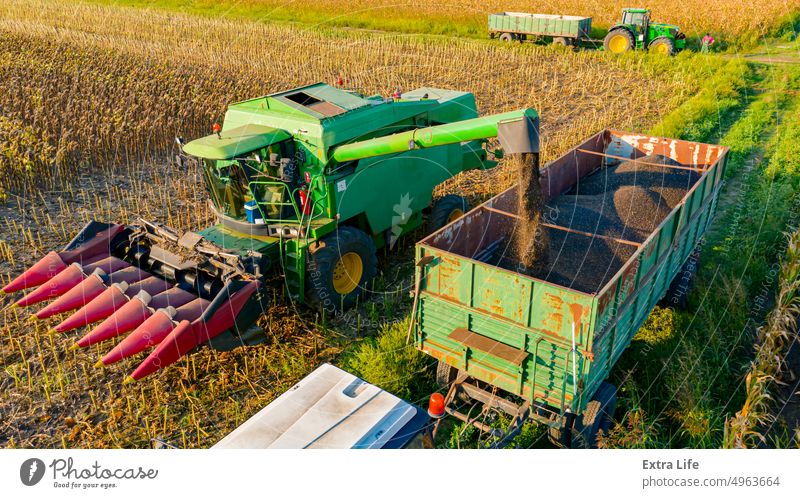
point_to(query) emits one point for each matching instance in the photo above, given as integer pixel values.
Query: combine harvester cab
(624, 213)
(307, 183)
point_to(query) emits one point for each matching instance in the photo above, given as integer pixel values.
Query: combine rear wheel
(618, 41)
(446, 210)
(340, 268)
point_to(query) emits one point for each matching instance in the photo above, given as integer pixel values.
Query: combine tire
(618, 41)
(596, 419)
(340, 268)
(446, 210)
(663, 46)
(506, 37)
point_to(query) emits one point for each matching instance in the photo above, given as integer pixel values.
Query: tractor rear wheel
(596, 419)
(506, 37)
(340, 268)
(663, 46)
(446, 210)
(618, 41)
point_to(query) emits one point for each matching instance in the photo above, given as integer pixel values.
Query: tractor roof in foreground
(330, 408)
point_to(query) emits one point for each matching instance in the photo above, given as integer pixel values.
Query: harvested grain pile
(627, 201)
(592, 214)
(641, 209)
(646, 172)
(576, 261)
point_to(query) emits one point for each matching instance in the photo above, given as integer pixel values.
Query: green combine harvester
(637, 32)
(308, 184)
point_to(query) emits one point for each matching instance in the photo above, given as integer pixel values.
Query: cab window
(636, 18)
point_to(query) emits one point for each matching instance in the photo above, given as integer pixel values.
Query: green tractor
(636, 31)
(306, 186)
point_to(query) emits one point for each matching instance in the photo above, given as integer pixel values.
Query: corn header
(308, 184)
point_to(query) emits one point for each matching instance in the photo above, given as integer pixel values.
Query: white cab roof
(329, 408)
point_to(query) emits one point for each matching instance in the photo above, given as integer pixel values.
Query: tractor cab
(334, 409)
(636, 31)
(636, 17)
(252, 175)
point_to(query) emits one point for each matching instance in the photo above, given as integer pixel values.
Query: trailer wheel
(560, 40)
(445, 375)
(340, 267)
(446, 210)
(596, 419)
(506, 37)
(560, 435)
(677, 295)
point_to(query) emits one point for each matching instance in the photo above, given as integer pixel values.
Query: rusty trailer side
(551, 338)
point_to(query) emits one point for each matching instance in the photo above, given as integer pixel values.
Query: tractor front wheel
(340, 268)
(446, 210)
(618, 41)
(662, 46)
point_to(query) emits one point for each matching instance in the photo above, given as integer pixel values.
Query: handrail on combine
(298, 213)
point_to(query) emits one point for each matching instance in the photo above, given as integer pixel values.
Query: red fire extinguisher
(305, 204)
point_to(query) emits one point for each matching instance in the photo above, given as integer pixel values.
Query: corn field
(732, 19)
(745, 428)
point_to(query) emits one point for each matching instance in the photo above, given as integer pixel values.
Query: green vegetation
(685, 369)
(387, 361)
(711, 109)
